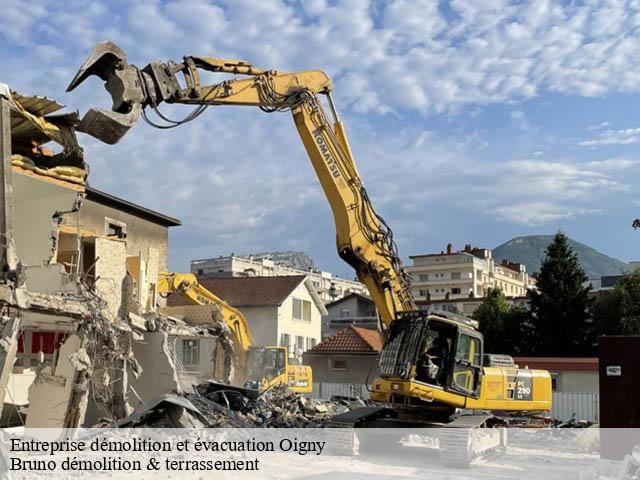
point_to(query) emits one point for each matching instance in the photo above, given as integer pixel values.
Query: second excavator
(246, 365)
(433, 368)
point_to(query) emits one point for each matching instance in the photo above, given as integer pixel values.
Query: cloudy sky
(471, 122)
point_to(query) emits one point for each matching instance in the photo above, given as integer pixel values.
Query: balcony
(442, 281)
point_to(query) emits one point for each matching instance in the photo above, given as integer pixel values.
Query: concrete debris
(629, 469)
(167, 411)
(573, 422)
(220, 405)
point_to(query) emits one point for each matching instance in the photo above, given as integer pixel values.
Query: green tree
(491, 315)
(506, 329)
(617, 312)
(560, 306)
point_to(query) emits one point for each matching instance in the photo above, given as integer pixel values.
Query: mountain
(530, 251)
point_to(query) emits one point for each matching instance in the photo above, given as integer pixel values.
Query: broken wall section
(38, 205)
(56, 397)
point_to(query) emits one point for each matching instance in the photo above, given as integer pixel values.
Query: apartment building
(327, 286)
(465, 274)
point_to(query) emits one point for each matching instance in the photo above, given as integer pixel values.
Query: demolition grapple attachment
(127, 85)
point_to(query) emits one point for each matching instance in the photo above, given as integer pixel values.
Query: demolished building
(81, 339)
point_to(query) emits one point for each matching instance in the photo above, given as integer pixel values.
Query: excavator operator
(431, 363)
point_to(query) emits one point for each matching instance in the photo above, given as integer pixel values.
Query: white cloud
(241, 180)
(414, 58)
(625, 136)
(541, 213)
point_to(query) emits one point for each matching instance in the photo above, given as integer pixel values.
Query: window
(455, 291)
(306, 311)
(285, 340)
(190, 352)
(311, 342)
(114, 228)
(340, 365)
(467, 364)
(424, 293)
(200, 271)
(424, 277)
(301, 309)
(299, 344)
(345, 313)
(455, 275)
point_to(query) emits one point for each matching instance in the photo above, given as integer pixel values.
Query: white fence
(585, 406)
(327, 390)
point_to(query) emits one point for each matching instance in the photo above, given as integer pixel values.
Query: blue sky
(471, 122)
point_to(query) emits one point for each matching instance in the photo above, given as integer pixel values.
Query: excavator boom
(363, 239)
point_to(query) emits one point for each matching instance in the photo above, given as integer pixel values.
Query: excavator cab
(441, 351)
(264, 365)
(269, 366)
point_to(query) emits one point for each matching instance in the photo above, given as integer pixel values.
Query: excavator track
(461, 441)
(468, 438)
(341, 429)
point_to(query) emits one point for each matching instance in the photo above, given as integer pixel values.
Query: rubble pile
(219, 405)
(226, 406)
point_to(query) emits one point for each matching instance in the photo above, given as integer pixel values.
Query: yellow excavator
(433, 368)
(251, 366)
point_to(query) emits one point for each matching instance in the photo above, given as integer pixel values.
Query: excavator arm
(362, 237)
(187, 284)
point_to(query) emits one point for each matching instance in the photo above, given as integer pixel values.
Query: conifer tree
(560, 306)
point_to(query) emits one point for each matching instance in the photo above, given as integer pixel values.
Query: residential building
(104, 215)
(348, 356)
(283, 311)
(328, 286)
(354, 309)
(568, 374)
(77, 284)
(465, 275)
(103, 242)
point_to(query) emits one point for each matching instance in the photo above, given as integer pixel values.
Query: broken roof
(31, 121)
(247, 291)
(351, 340)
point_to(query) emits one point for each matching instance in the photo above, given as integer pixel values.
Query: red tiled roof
(574, 364)
(351, 340)
(246, 291)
